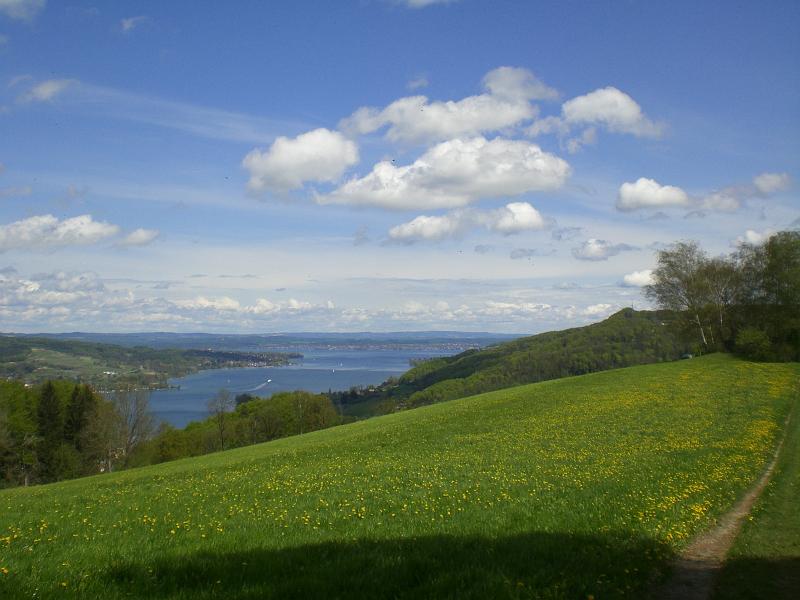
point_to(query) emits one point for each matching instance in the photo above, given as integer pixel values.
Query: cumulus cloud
(131, 23)
(46, 91)
(319, 155)
(223, 303)
(483, 249)
(456, 173)
(430, 228)
(607, 108)
(598, 310)
(612, 109)
(638, 278)
(648, 193)
(139, 237)
(771, 183)
(46, 231)
(514, 218)
(731, 198)
(516, 83)
(506, 103)
(596, 250)
(510, 219)
(22, 10)
(753, 237)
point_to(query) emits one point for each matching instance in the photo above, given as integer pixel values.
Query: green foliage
(252, 422)
(50, 432)
(753, 344)
(50, 428)
(563, 489)
(721, 303)
(626, 338)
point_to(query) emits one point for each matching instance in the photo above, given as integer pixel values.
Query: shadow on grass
(539, 565)
(757, 578)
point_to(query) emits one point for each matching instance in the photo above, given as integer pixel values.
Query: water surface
(319, 371)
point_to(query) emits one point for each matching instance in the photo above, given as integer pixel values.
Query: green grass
(765, 559)
(562, 489)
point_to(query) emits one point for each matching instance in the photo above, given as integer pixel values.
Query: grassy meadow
(574, 488)
(765, 559)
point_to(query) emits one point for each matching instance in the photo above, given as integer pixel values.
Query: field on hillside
(574, 488)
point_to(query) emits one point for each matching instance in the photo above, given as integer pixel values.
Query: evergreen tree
(50, 428)
(79, 410)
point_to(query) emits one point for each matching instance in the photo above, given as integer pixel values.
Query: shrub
(753, 343)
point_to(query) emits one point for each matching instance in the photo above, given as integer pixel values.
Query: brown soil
(695, 569)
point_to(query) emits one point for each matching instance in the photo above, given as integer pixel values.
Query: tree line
(61, 429)
(746, 302)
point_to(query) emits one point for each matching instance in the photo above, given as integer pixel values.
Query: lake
(319, 371)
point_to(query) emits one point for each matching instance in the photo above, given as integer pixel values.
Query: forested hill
(624, 339)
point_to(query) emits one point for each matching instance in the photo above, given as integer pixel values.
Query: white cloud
(638, 278)
(648, 193)
(455, 173)
(318, 155)
(598, 310)
(753, 237)
(596, 250)
(606, 108)
(224, 303)
(139, 237)
(516, 83)
(771, 183)
(587, 138)
(612, 109)
(416, 119)
(731, 198)
(23, 10)
(46, 90)
(725, 200)
(132, 23)
(430, 228)
(512, 218)
(47, 231)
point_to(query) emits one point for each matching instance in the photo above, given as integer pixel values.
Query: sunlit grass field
(572, 488)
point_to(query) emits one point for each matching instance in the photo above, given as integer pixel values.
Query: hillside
(579, 487)
(35, 360)
(624, 339)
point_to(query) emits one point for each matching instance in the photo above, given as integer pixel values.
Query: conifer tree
(50, 428)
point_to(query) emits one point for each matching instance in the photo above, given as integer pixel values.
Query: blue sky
(380, 165)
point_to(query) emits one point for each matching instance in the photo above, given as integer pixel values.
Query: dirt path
(696, 568)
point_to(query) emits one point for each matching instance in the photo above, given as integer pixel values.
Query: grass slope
(562, 489)
(765, 559)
